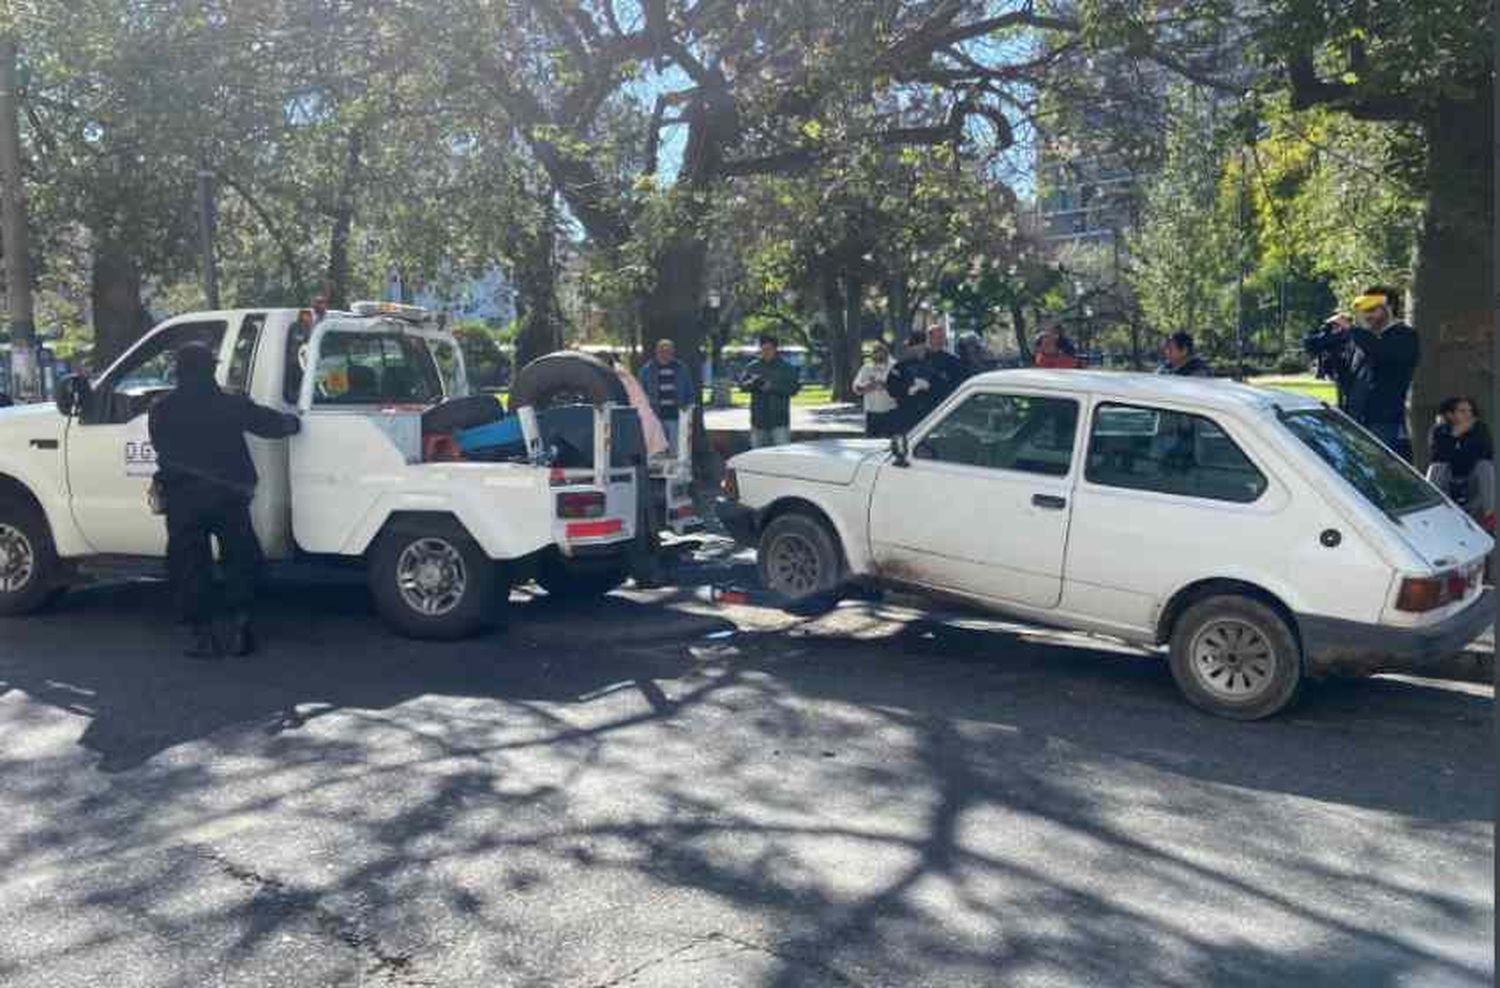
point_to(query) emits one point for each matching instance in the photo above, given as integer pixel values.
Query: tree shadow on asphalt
(112, 652)
(890, 809)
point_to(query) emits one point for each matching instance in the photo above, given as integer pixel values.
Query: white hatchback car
(1260, 535)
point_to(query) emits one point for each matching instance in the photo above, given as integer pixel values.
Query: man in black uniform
(207, 480)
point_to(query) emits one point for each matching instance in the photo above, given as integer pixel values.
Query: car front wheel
(1236, 657)
(799, 559)
(436, 582)
(30, 573)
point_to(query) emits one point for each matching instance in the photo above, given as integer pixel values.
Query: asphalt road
(661, 792)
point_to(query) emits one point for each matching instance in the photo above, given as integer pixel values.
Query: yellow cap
(1365, 303)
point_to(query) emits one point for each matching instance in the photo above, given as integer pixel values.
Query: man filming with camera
(1372, 362)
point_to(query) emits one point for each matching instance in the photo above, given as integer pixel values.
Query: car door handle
(1049, 501)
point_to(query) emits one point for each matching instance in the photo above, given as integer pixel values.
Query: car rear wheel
(433, 581)
(1236, 657)
(30, 572)
(799, 559)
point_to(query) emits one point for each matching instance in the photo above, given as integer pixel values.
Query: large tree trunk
(115, 295)
(897, 307)
(1455, 287)
(1018, 326)
(343, 221)
(845, 355)
(540, 317)
(673, 308)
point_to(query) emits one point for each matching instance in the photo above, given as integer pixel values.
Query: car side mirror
(899, 451)
(72, 394)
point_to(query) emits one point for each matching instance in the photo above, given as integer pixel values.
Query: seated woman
(1463, 459)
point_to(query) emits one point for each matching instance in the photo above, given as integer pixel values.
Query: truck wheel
(1235, 657)
(576, 581)
(799, 559)
(567, 378)
(435, 582)
(30, 573)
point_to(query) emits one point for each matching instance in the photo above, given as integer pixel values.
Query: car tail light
(440, 447)
(580, 504)
(731, 485)
(594, 529)
(1428, 593)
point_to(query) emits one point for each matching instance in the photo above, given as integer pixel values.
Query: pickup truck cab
(440, 537)
(1261, 536)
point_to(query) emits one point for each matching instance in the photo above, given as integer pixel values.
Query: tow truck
(374, 476)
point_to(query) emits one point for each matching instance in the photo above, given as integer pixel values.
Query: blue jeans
(780, 435)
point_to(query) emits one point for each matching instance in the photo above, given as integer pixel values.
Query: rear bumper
(738, 520)
(1332, 646)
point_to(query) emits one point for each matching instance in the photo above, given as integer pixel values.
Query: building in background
(489, 298)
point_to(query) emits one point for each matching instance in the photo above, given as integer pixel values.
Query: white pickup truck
(1260, 535)
(442, 536)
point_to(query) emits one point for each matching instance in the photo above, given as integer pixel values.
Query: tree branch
(1309, 90)
(288, 255)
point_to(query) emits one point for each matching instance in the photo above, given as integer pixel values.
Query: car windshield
(1377, 473)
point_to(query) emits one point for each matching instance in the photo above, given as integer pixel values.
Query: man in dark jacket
(206, 480)
(771, 382)
(945, 370)
(924, 377)
(1382, 358)
(1178, 358)
(669, 386)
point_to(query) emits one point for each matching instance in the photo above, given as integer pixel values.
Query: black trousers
(194, 515)
(878, 425)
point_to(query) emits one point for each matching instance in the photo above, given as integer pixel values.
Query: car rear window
(365, 368)
(1381, 477)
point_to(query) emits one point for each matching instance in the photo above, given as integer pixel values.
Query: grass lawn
(1302, 384)
(811, 394)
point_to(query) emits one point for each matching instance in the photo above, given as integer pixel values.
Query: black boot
(241, 640)
(202, 644)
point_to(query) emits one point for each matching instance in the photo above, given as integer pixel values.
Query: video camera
(1330, 348)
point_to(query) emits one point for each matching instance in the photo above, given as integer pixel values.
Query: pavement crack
(716, 937)
(394, 967)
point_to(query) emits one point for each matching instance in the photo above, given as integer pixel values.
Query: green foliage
(1337, 198)
(1186, 253)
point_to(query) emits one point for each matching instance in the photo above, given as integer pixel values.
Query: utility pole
(207, 220)
(25, 382)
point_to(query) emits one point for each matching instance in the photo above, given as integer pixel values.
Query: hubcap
(17, 560)
(793, 565)
(1233, 660)
(431, 576)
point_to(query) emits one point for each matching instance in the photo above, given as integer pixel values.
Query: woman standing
(1463, 459)
(870, 383)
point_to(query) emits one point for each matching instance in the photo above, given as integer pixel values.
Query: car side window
(149, 371)
(1154, 449)
(297, 338)
(242, 359)
(1029, 433)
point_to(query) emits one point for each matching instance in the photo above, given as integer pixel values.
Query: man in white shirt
(870, 383)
